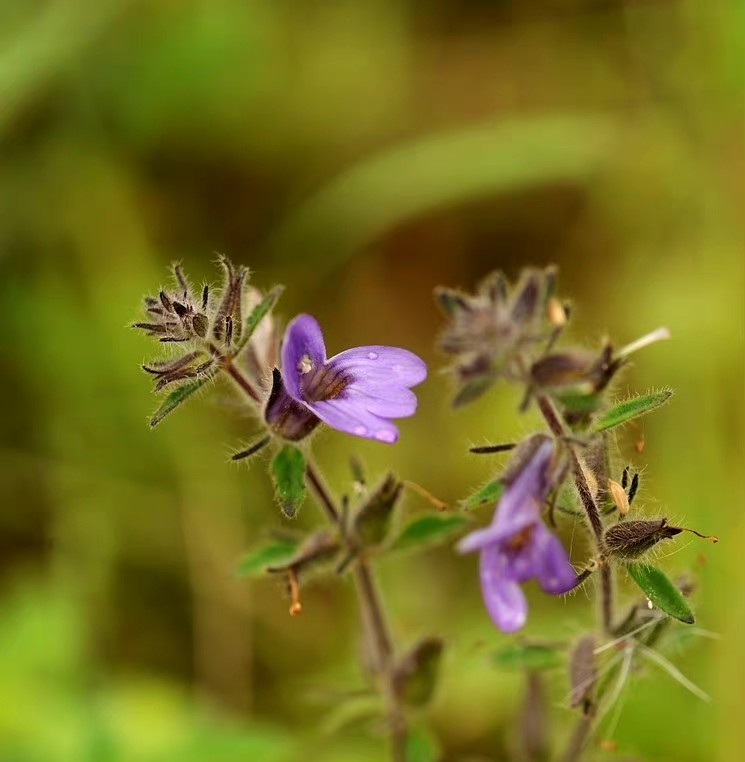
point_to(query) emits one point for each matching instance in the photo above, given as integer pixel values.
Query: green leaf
(489, 493)
(259, 312)
(630, 409)
(522, 657)
(661, 591)
(431, 529)
(177, 397)
(579, 402)
(288, 469)
(257, 561)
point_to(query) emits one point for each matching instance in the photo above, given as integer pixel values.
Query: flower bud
(631, 539)
(286, 417)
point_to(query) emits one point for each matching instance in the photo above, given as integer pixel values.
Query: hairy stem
(373, 616)
(559, 430)
(374, 620)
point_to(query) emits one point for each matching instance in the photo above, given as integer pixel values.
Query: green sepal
(373, 519)
(258, 313)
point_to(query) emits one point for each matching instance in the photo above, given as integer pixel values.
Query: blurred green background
(361, 152)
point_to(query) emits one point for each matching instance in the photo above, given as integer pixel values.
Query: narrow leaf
(533, 657)
(177, 397)
(288, 469)
(258, 313)
(431, 529)
(661, 591)
(489, 493)
(630, 409)
(257, 561)
(415, 676)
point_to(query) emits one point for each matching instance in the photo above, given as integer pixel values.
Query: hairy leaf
(630, 409)
(661, 591)
(532, 657)
(177, 397)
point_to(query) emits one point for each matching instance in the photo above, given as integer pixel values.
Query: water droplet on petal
(372, 355)
(385, 435)
(360, 431)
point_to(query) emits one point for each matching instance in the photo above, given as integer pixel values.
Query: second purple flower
(517, 546)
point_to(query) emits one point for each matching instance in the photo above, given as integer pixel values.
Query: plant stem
(374, 620)
(579, 738)
(558, 429)
(373, 616)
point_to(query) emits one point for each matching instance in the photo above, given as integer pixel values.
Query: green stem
(374, 620)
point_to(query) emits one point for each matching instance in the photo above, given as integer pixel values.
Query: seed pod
(373, 519)
(582, 671)
(631, 539)
(415, 675)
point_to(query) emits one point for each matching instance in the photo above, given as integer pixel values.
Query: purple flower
(357, 391)
(518, 547)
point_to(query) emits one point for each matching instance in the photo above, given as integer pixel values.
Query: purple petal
(494, 534)
(553, 571)
(391, 401)
(503, 598)
(350, 415)
(526, 494)
(381, 365)
(303, 343)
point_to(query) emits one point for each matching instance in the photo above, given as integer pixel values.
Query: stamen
(305, 365)
(295, 607)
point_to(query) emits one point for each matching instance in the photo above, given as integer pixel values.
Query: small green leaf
(353, 710)
(630, 409)
(473, 389)
(489, 493)
(522, 657)
(177, 397)
(288, 469)
(259, 312)
(431, 529)
(661, 591)
(257, 561)
(373, 519)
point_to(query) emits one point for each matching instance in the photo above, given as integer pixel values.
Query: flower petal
(494, 534)
(380, 364)
(387, 401)
(553, 571)
(303, 339)
(504, 599)
(350, 415)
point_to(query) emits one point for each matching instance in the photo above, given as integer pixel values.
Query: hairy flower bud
(287, 417)
(631, 539)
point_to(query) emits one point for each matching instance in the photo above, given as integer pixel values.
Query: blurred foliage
(361, 152)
